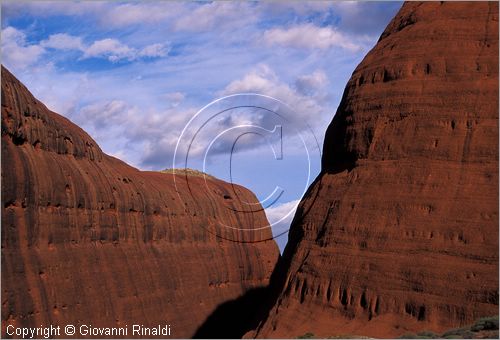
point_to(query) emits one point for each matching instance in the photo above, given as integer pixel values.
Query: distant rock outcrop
(400, 231)
(87, 239)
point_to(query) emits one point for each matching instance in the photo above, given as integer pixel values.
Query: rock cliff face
(400, 231)
(87, 239)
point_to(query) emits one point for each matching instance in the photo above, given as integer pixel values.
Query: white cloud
(154, 50)
(140, 13)
(260, 80)
(299, 8)
(107, 14)
(216, 121)
(110, 48)
(263, 80)
(63, 41)
(218, 14)
(310, 83)
(282, 216)
(153, 132)
(212, 61)
(17, 54)
(49, 8)
(59, 91)
(308, 36)
(278, 213)
(102, 114)
(174, 98)
(114, 50)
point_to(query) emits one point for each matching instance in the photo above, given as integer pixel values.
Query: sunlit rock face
(90, 240)
(400, 231)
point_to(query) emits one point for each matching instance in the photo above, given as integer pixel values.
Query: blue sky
(133, 74)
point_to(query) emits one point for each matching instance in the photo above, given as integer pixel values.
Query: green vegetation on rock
(307, 335)
(187, 171)
(484, 328)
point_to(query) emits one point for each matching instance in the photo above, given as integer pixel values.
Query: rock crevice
(400, 231)
(88, 239)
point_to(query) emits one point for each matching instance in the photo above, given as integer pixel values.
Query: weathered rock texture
(87, 239)
(400, 230)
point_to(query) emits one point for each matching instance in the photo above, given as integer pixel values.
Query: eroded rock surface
(400, 231)
(87, 239)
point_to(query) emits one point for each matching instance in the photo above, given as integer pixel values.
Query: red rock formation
(400, 231)
(87, 239)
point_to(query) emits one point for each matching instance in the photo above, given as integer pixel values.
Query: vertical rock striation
(87, 239)
(400, 230)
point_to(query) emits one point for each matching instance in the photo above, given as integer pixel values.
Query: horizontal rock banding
(400, 231)
(87, 239)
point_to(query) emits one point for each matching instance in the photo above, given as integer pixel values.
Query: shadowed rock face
(87, 239)
(400, 231)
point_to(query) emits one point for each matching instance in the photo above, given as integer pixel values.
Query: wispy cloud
(281, 216)
(109, 48)
(219, 14)
(308, 36)
(19, 54)
(145, 13)
(114, 50)
(16, 52)
(213, 49)
(63, 41)
(132, 74)
(105, 13)
(262, 79)
(311, 83)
